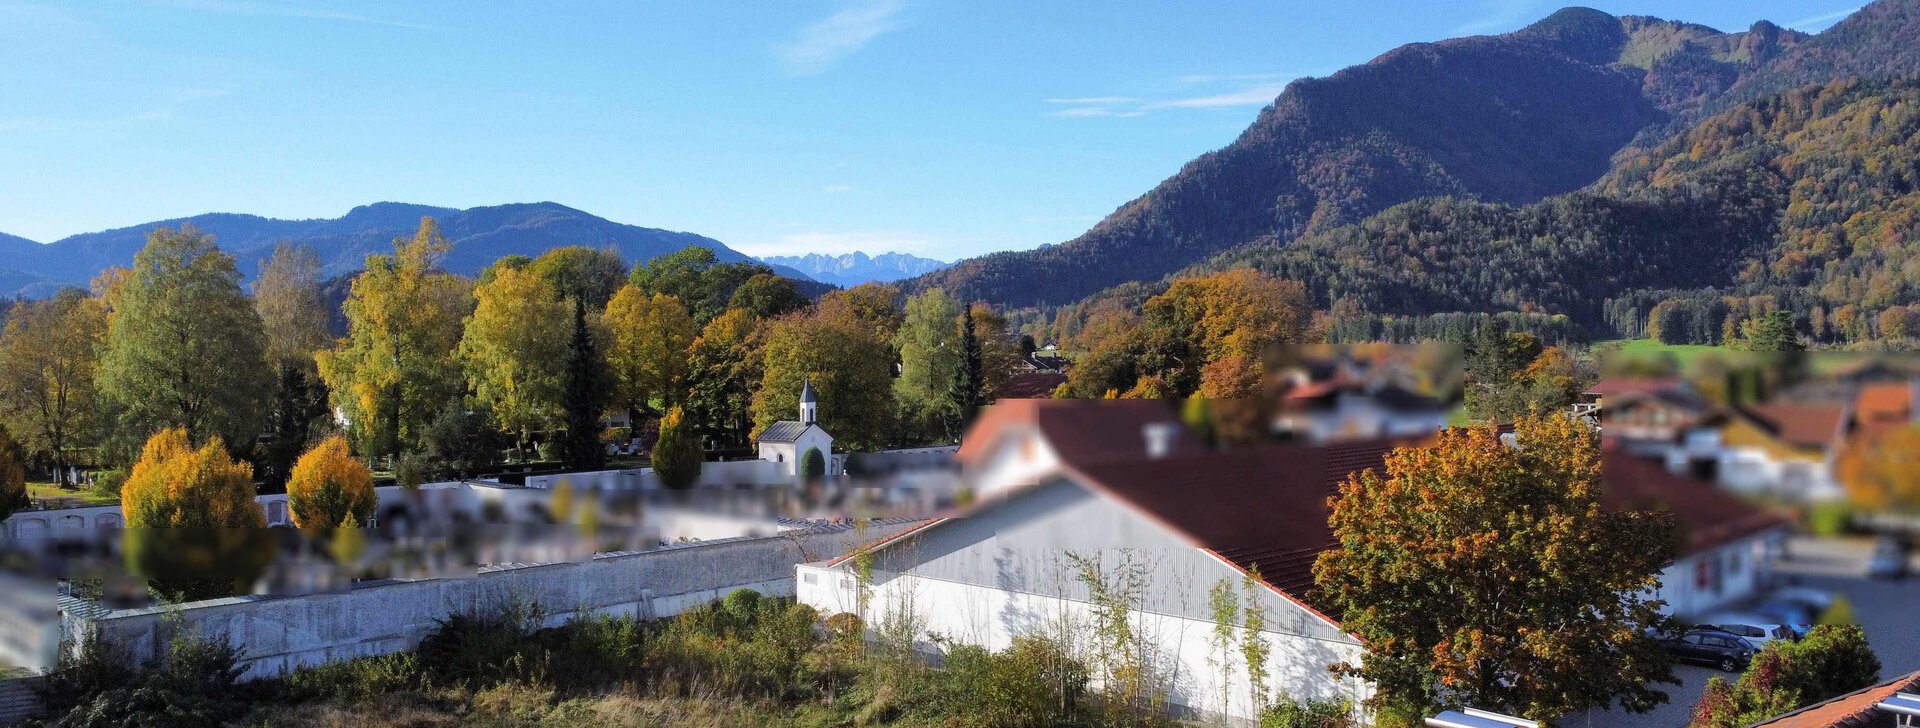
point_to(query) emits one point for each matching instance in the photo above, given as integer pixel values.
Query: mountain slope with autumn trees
(1509, 119)
(1804, 201)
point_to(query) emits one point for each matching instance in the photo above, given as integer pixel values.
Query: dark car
(1719, 648)
(1889, 558)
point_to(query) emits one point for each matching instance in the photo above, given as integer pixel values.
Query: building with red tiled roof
(1858, 709)
(1122, 482)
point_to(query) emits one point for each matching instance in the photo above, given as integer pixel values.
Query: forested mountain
(480, 235)
(855, 268)
(1508, 119)
(1808, 200)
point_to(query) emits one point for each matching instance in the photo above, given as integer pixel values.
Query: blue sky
(937, 127)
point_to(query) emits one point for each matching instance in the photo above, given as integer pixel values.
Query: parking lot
(1889, 611)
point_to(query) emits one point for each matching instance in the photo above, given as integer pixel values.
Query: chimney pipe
(1159, 437)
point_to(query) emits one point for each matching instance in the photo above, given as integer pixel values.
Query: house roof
(1267, 506)
(1028, 385)
(1853, 710)
(1079, 430)
(1798, 423)
(784, 431)
(1388, 395)
(1885, 402)
(1616, 386)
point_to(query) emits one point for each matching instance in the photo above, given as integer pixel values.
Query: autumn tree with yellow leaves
(330, 488)
(1884, 472)
(177, 485)
(1486, 574)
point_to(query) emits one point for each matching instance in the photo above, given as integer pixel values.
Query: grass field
(46, 491)
(1682, 353)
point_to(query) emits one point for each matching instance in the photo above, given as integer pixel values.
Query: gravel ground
(1890, 612)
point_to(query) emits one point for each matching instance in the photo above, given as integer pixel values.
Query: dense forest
(1804, 201)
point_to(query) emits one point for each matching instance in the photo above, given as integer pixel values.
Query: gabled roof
(1853, 710)
(1080, 430)
(1029, 385)
(1266, 506)
(1804, 424)
(784, 431)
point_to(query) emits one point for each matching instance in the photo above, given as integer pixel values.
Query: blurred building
(1123, 489)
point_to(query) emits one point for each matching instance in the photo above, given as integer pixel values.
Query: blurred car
(1815, 601)
(1889, 559)
(1757, 630)
(1707, 646)
(1792, 614)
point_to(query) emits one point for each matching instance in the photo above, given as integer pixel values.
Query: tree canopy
(184, 347)
(330, 488)
(1485, 574)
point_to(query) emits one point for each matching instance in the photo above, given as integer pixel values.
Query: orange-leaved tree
(1487, 574)
(330, 487)
(1884, 472)
(194, 530)
(175, 485)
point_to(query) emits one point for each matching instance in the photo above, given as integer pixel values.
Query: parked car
(1757, 630)
(1889, 559)
(1796, 616)
(1719, 648)
(1815, 601)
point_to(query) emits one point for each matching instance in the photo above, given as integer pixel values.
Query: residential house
(1071, 489)
(1782, 449)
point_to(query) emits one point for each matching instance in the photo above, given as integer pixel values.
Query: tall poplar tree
(515, 349)
(396, 368)
(294, 314)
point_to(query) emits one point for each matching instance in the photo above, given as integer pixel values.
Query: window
(810, 578)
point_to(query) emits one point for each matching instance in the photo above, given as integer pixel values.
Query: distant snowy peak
(855, 268)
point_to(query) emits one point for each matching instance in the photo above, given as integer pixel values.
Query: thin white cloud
(820, 45)
(1081, 112)
(1820, 22)
(838, 188)
(264, 8)
(1123, 107)
(1256, 96)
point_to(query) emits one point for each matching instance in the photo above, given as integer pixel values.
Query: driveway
(1885, 609)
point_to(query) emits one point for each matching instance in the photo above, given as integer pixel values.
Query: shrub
(99, 665)
(192, 686)
(353, 681)
(1285, 712)
(1785, 676)
(107, 483)
(676, 456)
(330, 488)
(1031, 683)
(1830, 519)
(1839, 612)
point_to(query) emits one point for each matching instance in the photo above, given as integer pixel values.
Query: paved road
(1889, 611)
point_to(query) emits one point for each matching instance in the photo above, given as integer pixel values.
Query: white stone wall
(1184, 656)
(278, 634)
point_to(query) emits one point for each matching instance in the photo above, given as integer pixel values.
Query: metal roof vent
(1159, 436)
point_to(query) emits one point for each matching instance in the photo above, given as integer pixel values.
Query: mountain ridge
(1510, 118)
(855, 268)
(479, 235)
